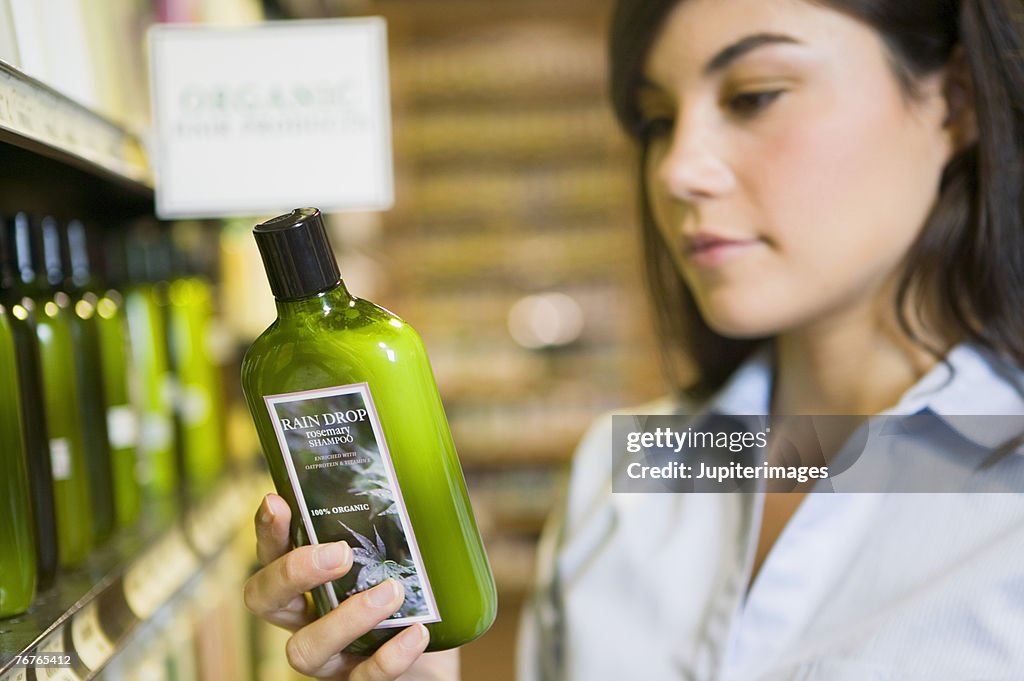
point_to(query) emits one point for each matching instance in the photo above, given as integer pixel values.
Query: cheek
(847, 190)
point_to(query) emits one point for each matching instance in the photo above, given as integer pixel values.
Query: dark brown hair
(967, 265)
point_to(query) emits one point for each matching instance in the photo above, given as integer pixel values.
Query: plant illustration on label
(376, 566)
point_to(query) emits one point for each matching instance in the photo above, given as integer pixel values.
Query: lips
(710, 249)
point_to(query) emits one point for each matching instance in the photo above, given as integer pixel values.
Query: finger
(312, 647)
(272, 522)
(296, 614)
(273, 593)
(394, 657)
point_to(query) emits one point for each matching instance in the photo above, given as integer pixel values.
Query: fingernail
(413, 637)
(331, 556)
(382, 594)
(266, 515)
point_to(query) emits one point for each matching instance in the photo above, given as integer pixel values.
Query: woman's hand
(277, 594)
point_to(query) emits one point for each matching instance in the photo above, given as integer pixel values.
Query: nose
(692, 167)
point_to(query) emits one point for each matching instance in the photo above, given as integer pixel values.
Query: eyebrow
(731, 53)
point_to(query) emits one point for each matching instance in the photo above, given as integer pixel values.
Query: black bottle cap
(9, 275)
(49, 259)
(21, 257)
(76, 254)
(297, 254)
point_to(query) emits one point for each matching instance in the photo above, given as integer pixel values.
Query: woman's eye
(751, 103)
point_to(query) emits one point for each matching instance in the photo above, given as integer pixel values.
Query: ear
(958, 91)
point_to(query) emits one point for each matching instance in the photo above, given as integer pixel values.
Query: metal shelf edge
(37, 117)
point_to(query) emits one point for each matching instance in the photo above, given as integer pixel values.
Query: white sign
(258, 120)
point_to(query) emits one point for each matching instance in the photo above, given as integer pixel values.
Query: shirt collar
(749, 388)
(970, 382)
(975, 392)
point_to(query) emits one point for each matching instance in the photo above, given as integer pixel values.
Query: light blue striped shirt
(858, 587)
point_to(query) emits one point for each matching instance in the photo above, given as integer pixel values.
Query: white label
(53, 646)
(60, 458)
(91, 644)
(44, 673)
(195, 405)
(344, 481)
(157, 431)
(262, 119)
(156, 435)
(158, 573)
(122, 426)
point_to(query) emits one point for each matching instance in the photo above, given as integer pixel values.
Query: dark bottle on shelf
(18, 570)
(73, 501)
(349, 417)
(88, 377)
(81, 250)
(22, 319)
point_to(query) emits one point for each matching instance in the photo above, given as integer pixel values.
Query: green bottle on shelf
(22, 319)
(198, 378)
(82, 251)
(147, 331)
(353, 429)
(18, 568)
(88, 362)
(73, 501)
(190, 328)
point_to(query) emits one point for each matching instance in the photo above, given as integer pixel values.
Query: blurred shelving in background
(512, 248)
(514, 185)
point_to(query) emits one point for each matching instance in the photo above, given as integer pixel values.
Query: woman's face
(787, 170)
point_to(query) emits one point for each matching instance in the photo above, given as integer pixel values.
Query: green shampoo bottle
(84, 261)
(17, 541)
(34, 427)
(189, 319)
(355, 435)
(88, 363)
(147, 339)
(72, 495)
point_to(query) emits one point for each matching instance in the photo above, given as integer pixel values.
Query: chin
(742, 322)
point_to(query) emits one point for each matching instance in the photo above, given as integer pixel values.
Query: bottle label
(194, 405)
(122, 426)
(60, 458)
(344, 482)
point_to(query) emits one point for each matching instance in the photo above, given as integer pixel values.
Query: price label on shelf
(91, 644)
(51, 653)
(263, 119)
(17, 674)
(157, 574)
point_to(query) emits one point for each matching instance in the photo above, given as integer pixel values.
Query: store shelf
(92, 609)
(50, 143)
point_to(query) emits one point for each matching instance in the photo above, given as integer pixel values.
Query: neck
(319, 304)
(858, 364)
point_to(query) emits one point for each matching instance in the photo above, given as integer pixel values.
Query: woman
(832, 196)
